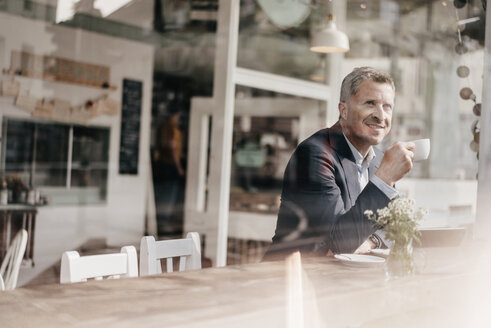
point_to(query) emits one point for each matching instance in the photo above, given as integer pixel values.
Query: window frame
(75, 192)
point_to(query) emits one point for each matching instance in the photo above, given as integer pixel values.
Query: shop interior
(93, 92)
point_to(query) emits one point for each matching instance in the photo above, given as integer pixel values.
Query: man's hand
(397, 162)
(365, 248)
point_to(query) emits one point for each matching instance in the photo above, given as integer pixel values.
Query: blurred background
(107, 112)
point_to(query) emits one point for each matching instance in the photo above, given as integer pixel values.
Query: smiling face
(366, 116)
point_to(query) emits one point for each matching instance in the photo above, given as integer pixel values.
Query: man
(335, 175)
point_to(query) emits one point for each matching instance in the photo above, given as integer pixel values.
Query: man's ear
(343, 110)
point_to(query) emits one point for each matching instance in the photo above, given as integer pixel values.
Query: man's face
(366, 116)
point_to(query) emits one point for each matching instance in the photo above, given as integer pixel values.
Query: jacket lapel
(351, 176)
(347, 160)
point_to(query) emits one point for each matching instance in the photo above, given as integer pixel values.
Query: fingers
(409, 145)
(406, 149)
(402, 145)
(407, 157)
(396, 163)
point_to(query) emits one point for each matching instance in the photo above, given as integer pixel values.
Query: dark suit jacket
(321, 205)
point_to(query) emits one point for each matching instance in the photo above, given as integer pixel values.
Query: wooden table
(453, 289)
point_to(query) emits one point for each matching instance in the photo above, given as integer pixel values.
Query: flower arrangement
(17, 190)
(399, 220)
(15, 183)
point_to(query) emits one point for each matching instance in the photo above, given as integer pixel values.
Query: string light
(463, 71)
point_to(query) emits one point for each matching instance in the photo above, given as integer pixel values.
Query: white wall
(449, 202)
(121, 219)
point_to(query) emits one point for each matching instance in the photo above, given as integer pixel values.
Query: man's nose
(379, 112)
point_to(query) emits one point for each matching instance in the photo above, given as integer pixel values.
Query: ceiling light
(329, 39)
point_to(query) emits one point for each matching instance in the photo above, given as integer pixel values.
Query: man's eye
(370, 102)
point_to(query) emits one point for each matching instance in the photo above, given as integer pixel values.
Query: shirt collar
(356, 154)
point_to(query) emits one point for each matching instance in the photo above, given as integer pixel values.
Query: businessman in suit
(335, 175)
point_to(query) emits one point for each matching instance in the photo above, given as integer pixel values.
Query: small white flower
(399, 218)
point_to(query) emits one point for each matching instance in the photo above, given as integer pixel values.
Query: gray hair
(352, 81)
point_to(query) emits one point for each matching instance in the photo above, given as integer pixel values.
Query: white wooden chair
(187, 249)
(76, 269)
(13, 259)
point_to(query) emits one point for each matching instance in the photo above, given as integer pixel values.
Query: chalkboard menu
(130, 126)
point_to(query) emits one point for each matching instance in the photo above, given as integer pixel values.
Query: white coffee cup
(421, 149)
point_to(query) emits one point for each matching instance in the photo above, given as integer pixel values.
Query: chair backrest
(187, 249)
(75, 268)
(13, 259)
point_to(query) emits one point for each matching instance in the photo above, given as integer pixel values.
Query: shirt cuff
(381, 235)
(384, 187)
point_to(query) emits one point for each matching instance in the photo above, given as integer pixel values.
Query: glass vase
(400, 262)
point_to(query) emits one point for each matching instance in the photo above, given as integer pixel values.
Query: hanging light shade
(329, 39)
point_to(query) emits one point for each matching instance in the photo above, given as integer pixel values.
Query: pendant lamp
(329, 39)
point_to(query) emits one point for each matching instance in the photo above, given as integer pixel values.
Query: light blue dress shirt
(362, 164)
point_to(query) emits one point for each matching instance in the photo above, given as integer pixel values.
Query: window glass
(51, 154)
(90, 157)
(267, 128)
(274, 38)
(64, 62)
(37, 152)
(435, 53)
(262, 146)
(417, 43)
(18, 139)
